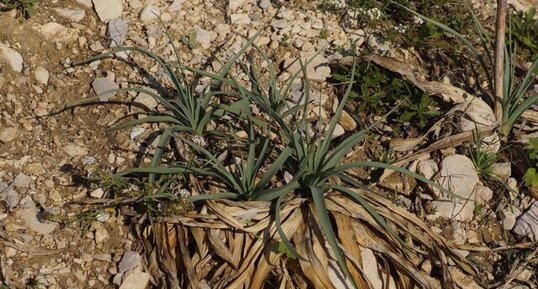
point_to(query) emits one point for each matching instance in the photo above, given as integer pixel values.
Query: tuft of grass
(516, 97)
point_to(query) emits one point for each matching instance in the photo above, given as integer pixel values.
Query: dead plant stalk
(499, 59)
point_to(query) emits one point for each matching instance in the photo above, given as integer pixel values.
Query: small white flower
(88, 160)
(199, 140)
(184, 193)
(417, 20)
(102, 216)
(374, 13)
(400, 28)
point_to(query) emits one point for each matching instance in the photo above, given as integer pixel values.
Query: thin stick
(499, 59)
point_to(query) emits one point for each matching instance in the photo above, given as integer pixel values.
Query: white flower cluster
(400, 28)
(88, 160)
(338, 4)
(418, 20)
(199, 140)
(374, 14)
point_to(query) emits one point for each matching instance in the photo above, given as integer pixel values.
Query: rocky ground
(44, 149)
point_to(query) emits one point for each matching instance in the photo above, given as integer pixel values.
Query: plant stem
(499, 59)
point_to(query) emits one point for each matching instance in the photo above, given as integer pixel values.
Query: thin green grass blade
(327, 228)
(274, 168)
(278, 225)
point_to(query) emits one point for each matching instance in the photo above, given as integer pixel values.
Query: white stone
(117, 32)
(85, 3)
(204, 37)
(97, 193)
(74, 15)
(129, 261)
(175, 6)
(136, 131)
(527, 224)
(264, 4)
(102, 85)
(28, 214)
(12, 57)
(100, 235)
(41, 75)
(458, 176)
(149, 13)
(108, 9)
(74, 150)
(317, 68)
(510, 216)
(241, 19)
(338, 131)
(146, 100)
(9, 195)
(57, 32)
(8, 134)
(233, 5)
(483, 194)
(502, 170)
(427, 168)
(135, 280)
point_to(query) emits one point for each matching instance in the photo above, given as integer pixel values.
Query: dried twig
(499, 58)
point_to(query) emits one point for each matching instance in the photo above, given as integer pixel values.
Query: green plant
(280, 145)
(26, 7)
(516, 97)
(377, 90)
(523, 27)
(190, 40)
(482, 159)
(531, 175)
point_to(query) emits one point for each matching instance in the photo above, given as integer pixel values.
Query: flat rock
(22, 181)
(317, 68)
(427, 168)
(129, 261)
(233, 5)
(502, 170)
(8, 134)
(108, 9)
(457, 175)
(241, 19)
(135, 280)
(12, 57)
(527, 224)
(175, 6)
(264, 4)
(117, 32)
(149, 13)
(483, 194)
(41, 75)
(9, 195)
(85, 3)
(204, 37)
(56, 32)
(28, 214)
(101, 234)
(101, 85)
(74, 15)
(146, 100)
(510, 216)
(74, 150)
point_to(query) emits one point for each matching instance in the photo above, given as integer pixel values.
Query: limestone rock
(149, 13)
(102, 85)
(8, 134)
(108, 9)
(41, 75)
(135, 280)
(12, 57)
(117, 31)
(74, 15)
(317, 68)
(527, 224)
(129, 261)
